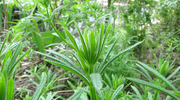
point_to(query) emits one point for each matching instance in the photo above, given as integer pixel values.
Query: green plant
(165, 32)
(51, 79)
(115, 81)
(50, 96)
(40, 87)
(8, 69)
(23, 91)
(159, 83)
(162, 66)
(87, 54)
(137, 18)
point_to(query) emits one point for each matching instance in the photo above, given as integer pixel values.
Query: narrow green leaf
(10, 90)
(142, 74)
(82, 40)
(58, 86)
(101, 94)
(72, 39)
(6, 59)
(101, 34)
(40, 87)
(9, 48)
(81, 63)
(61, 36)
(35, 25)
(104, 67)
(172, 74)
(1, 17)
(53, 58)
(92, 47)
(69, 68)
(170, 93)
(150, 96)
(56, 10)
(76, 95)
(137, 92)
(102, 64)
(116, 92)
(100, 46)
(14, 57)
(175, 80)
(108, 80)
(65, 58)
(2, 87)
(2, 46)
(168, 98)
(14, 65)
(50, 96)
(146, 72)
(106, 35)
(39, 41)
(86, 56)
(177, 93)
(158, 75)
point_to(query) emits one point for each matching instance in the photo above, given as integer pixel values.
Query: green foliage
(159, 83)
(40, 87)
(92, 54)
(163, 66)
(8, 69)
(87, 55)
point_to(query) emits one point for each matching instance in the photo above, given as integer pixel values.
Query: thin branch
(56, 3)
(19, 4)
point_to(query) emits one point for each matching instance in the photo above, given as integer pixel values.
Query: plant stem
(6, 17)
(93, 92)
(109, 3)
(50, 21)
(156, 95)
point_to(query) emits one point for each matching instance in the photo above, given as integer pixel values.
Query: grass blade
(142, 74)
(10, 90)
(38, 41)
(65, 66)
(72, 39)
(158, 75)
(137, 92)
(111, 60)
(172, 74)
(65, 58)
(13, 66)
(109, 52)
(150, 97)
(106, 35)
(39, 90)
(56, 10)
(146, 72)
(2, 87)
(170, 93)
(69, 68)
(2, 46)
(14, 57)
(82, 39)
(76, 95)
(116, 92)
(9, 48)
